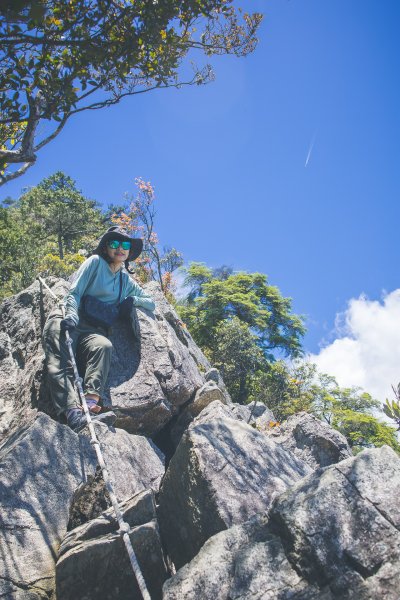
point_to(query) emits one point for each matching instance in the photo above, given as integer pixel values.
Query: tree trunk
(60, 245)
(242, 390)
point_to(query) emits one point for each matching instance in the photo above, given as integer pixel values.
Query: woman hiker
(101, 291)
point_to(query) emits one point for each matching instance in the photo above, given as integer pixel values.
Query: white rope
(124, 527)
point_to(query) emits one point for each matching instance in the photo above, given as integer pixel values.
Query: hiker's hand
(67, 325)
(125, 308)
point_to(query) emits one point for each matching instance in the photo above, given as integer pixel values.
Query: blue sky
(228, 159)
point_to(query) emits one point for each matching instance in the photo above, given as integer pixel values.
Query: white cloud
(366, 352)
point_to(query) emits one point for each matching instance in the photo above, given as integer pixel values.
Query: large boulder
(222, 473)
(22, 384)
(148, 386)
(208, 394)
(311, 440)
(259, 409)
(93, 562)
(214, 375)
(41, 466)
(156, 366)
(217, 409)
(335, 534)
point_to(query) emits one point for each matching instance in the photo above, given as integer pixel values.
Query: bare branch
(54, 134)
(6, 178)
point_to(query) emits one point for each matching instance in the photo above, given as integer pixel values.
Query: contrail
(310, 149)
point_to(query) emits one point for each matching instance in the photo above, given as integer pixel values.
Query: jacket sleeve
(77, 290)
(140, 298)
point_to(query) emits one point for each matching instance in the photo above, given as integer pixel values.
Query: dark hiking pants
(92, 350)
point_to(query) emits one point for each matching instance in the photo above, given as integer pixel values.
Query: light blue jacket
(94, 277)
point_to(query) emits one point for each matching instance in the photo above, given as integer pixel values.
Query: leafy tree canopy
(43, 230)
(52, 227)
(289, 389)
(61, 57)
(237, 356)
(250, 298)
(57, 208)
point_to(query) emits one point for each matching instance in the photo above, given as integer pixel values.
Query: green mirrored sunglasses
(114, 244)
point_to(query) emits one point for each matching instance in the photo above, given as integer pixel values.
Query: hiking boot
(76, 419)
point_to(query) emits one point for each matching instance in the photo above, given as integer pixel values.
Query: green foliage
(364, 430)
(51, 264)
(52, 218)
(288, 389)
(196, 276)
(19, 252)
(250, 298)
(285, 389)
(392, 408)
(236, 354)
(61, 57)
(57, 208)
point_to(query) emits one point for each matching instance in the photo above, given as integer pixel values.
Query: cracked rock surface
(22, 383)
(93, 563)
(222, 473)
(156, 366)
(333, 535)
(312, 440)
(40, 469)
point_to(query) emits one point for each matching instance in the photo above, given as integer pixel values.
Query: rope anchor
(124, 527)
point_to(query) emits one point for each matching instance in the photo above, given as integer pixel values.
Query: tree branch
(54, 134)
(6, 178)
(112, 101)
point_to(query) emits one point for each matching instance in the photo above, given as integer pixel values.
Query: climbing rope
(124, 527)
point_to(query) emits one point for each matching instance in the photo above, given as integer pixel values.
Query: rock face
(86, 550)
(208, 394)
(261, 512)
(214, 375)
(222, 473)
(230, 411)
(22, 385)
(335, 534)
(40, 469)
(259, 409)
(311, 440)
(149, 385)
(153, 372)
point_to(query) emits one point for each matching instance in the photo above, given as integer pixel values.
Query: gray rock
(208, 394)
(209, 574)
(153, 372)
(216, 409)
(214, 375)
(222, 473)
(311, 440)
(259, 409)
(40, 468)
(241, 412)
(157, 371)
(139, 457)
(164, 371)
(246, 562)
(22, 387)
(342, 528)
(335, 534)
(93, 561)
